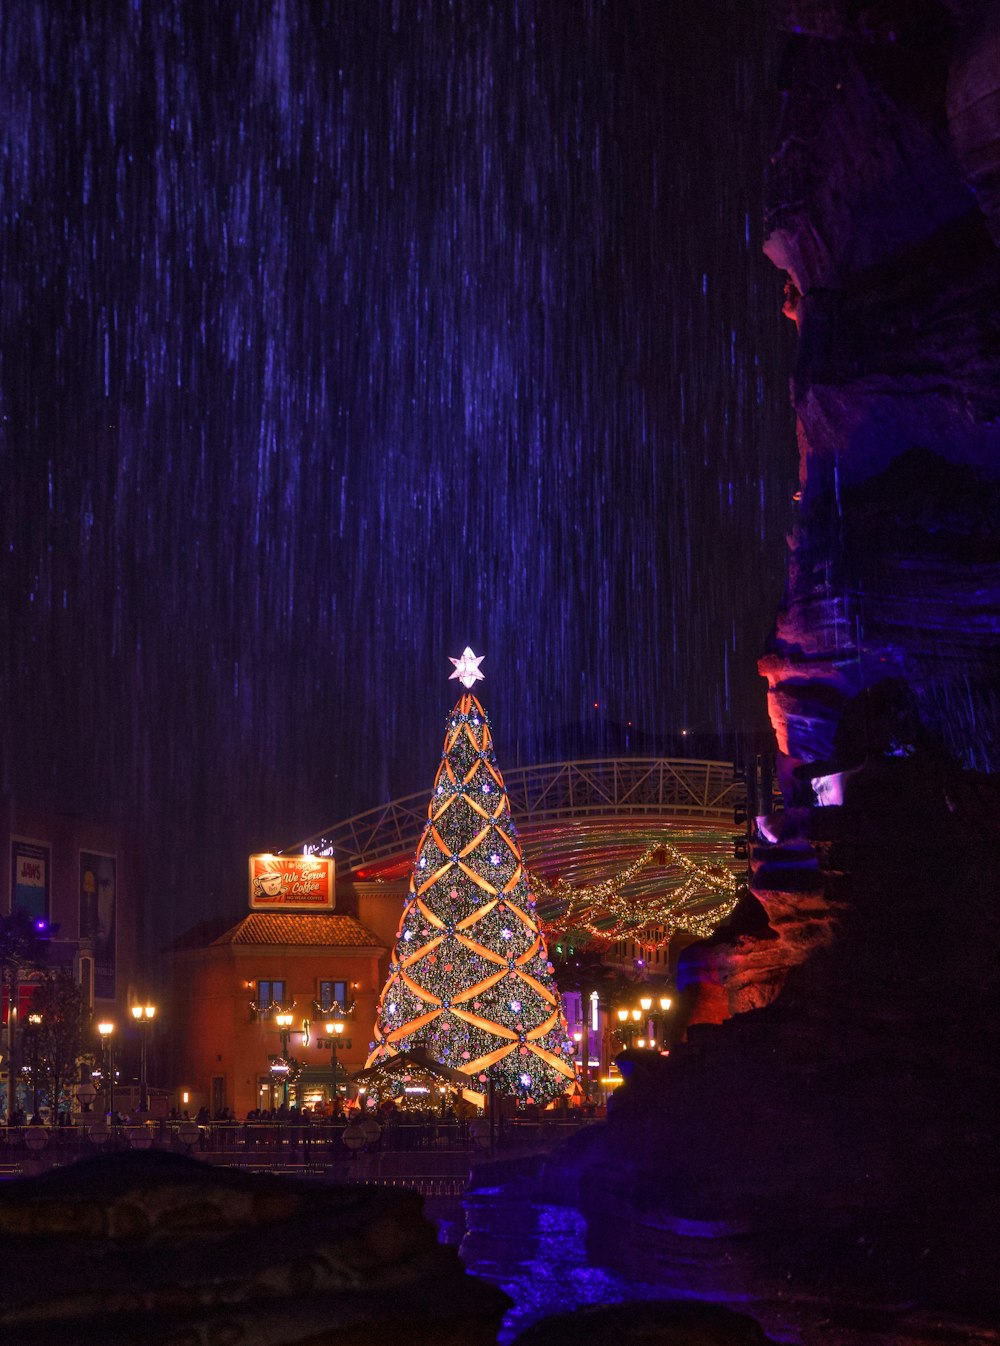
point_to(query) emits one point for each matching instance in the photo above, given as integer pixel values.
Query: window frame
(335, 1001)
(272, 984)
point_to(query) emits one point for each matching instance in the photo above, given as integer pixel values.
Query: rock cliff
(162, 1250)
(884, 211)
(823, 1162)
(817, 1151)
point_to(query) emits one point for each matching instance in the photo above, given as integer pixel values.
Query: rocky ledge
(824, 1163)
(160, 1250)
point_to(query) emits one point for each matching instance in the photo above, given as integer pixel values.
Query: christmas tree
(470, 979)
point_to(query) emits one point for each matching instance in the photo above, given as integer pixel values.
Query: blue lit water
(537, 1254)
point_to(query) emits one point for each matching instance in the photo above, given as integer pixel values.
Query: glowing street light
(334, 1031)
(33, 1026)
(580, 1037)
(284, 1020)
(143, 1015)
(665, 1003)
(106, 1029)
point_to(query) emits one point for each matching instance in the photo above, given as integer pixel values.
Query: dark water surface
(537, 1253)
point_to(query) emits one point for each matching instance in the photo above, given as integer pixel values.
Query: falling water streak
(334, 339)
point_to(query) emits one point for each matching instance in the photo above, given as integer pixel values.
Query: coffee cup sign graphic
(291, 882)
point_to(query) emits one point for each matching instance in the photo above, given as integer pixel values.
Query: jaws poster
(30, 869)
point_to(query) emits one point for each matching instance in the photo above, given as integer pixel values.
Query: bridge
(597, 795)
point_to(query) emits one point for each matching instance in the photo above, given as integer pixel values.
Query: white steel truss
(668, 788)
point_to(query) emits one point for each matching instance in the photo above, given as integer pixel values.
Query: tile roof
(268, 927)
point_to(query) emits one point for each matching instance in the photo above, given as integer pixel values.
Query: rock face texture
(673, 1323)
(788, 914)
(824, 1163)
(160, 1250)
(818, 1151)
(885, 213)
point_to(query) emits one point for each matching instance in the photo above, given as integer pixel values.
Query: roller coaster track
(668, 789)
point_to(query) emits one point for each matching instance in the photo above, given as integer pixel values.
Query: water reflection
(537, 1254)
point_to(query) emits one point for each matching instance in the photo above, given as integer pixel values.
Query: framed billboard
(292, 883)
(98, 916)
(30, 870)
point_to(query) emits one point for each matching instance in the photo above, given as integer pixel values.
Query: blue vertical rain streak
(337, 337)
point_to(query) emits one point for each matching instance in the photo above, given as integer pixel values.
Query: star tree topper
(467, 668)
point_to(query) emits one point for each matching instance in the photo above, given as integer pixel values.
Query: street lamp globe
(143, 1016)
(106, 1028)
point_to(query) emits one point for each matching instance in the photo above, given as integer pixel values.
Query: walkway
(432, 1158)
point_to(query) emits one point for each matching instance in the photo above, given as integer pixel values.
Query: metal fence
(429, 1156)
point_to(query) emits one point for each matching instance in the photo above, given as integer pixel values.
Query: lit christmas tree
(470, 979)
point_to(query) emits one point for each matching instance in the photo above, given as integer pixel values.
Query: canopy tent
(388, 1076)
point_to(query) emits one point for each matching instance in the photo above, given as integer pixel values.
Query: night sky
(336, 337)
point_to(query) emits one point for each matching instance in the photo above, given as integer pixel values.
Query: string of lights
(683, 880)
(470, 979)
(694, 900)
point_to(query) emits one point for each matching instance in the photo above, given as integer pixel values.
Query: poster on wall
(30, 879)
(289, 882)
(98, 898)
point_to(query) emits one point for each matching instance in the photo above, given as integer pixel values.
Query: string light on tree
(470, 979)
(690, 895)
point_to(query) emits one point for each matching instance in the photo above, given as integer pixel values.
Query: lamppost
(106, 1029)
(334, 1032)
(279, 1075)
(33, 1025)
(580, 1037)
(284, 1021)
(143, 1016)
(665, 1003)
(646, 1004)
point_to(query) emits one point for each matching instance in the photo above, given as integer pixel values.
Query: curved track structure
(592, 796)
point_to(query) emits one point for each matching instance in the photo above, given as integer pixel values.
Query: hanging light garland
(605, 912)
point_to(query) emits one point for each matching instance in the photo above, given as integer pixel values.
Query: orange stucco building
(225, 993)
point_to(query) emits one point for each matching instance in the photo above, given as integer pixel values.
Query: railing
(671, 788)
(429, 1156)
